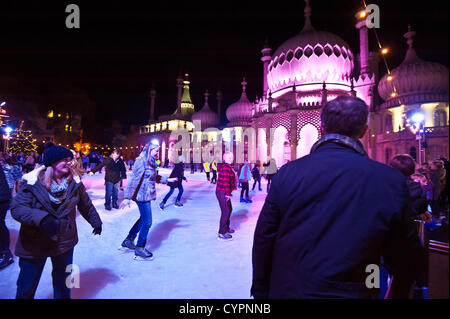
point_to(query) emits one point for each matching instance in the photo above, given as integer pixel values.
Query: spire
(186, 97)
(266, 42)
(219, 101)
(152, 103)
(308, 26)
(244, 84)
(206, 106)
(411, 53)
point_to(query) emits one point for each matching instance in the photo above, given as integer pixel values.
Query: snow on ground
(189, 263)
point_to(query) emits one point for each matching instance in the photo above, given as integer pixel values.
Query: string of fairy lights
(383, 50)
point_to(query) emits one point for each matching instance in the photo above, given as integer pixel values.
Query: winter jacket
(32, 204)
(244, 175)
(226, 181)
(329, 215)
(418, 197)
(147, 191)
(5, 191)
(255, 173)
(178, 171)
(115, 170)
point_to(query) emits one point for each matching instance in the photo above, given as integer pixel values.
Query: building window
(388, 122)
(413, 153)
(387, 155)
(440, 118)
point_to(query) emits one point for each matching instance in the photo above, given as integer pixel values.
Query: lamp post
(416, 121)
(6, 137)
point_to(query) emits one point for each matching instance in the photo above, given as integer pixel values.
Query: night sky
(123, 47)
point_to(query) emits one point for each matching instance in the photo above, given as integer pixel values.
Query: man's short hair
(404, 163)
(116, 150)
(345, 115)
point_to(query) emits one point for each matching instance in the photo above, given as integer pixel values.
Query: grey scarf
(58, 192)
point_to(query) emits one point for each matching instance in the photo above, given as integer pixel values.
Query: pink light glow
(312, 69)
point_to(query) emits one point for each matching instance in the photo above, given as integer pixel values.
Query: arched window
(388, 122)
(413, 153)
(440, 118)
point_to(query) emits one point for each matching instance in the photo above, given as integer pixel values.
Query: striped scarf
(58, 191)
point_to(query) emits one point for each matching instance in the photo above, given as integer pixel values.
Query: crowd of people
(326, 217)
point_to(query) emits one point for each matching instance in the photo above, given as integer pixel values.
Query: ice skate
(224, 237)
(161, 205)
(127, 244)
(141, 253)
(178, 204)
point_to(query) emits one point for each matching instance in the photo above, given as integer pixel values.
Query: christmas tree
(22, 141)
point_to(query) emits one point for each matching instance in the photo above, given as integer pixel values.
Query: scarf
(354, 144)
(57, 192)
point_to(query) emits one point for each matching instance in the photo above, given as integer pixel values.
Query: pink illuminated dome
(414, 76)
(311, 56)
(207, 117)
(240, 112)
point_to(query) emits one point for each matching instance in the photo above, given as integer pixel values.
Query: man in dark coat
(6, 257)
(330, 217)
(115, 171)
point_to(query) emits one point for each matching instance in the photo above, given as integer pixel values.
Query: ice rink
(189, 261)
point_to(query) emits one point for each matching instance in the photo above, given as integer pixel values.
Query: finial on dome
(410, 53)
(308, 26)
(206, 94)
(244, 84)
(409, 35)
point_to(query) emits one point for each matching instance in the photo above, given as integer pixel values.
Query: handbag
(137, 188)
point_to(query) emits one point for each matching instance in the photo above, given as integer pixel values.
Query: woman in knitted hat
(46, 208)
(141, 188)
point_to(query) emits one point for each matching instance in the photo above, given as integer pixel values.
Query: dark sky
(123, 47)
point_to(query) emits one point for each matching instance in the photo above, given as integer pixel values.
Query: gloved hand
(97, 230)
(50, 225)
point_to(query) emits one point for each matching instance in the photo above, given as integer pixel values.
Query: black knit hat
(54, 153)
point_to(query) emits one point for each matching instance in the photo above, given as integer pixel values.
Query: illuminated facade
(314, 67)
(415, 85)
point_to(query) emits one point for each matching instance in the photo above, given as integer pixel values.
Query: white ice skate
(142, 253)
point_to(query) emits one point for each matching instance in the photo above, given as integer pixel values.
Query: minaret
(266, 57)
(363, 43)
(187, 107)
(152, 104)
(219, 103)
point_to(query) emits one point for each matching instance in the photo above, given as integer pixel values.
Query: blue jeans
(258, 180)
(31, 271)
(142, 225)
(111, 191)
(172, 189)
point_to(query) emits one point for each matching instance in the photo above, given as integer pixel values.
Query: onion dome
(207, 117)
(415, 79)
(240, 112)
(310, 56)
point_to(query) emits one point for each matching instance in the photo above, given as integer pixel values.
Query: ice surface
(189, 260)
